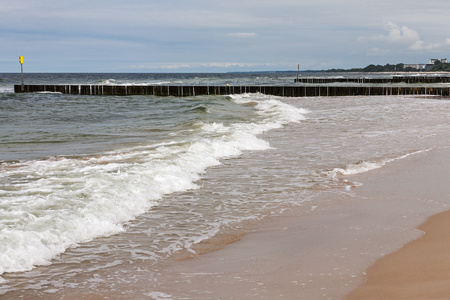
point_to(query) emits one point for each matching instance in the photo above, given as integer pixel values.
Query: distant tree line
(438, 66)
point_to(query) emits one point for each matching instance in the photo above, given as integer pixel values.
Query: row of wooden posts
(394, 79)
(185, 91)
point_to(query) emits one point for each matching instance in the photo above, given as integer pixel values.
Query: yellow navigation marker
(21, 69)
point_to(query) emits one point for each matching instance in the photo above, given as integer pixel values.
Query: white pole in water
(21, 69)
(298, 71)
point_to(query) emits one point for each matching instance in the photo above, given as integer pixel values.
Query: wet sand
(323, 251)
(420, 270)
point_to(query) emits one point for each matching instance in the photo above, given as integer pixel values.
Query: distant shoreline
(330, 71)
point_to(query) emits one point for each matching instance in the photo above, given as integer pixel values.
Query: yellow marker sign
(299, 66)
(21, 59)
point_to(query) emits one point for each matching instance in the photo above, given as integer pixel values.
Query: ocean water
(95, 191)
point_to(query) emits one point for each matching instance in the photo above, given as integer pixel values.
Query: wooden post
(21, 70)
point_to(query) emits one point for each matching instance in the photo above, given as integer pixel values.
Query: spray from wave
(50, 205)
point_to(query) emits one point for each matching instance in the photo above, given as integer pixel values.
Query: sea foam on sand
(322, 253)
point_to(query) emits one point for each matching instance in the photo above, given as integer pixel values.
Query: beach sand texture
(420, 270)
(304, 229)
(324, 253)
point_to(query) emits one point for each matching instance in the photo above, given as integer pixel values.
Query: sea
(97, 191)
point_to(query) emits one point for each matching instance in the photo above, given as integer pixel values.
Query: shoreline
(419, 270)
(324, 251)
(321, 249)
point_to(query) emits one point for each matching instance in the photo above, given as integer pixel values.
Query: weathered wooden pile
(320, 89)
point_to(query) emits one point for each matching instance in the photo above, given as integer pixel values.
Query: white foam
(366, 166)
(158, 295)
(50, 205)
(108, 82)
(356, 168)
(275, 112)
(160, 83)
(6, 90)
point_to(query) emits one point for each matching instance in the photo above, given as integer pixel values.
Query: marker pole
(298, 71)
(21, 69)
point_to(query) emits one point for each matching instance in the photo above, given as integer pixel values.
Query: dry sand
(323, 252)
(420, 270)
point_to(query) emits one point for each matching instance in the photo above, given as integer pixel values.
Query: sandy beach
(324, 252)
(420, 270)
(284, 222)
(366, 242)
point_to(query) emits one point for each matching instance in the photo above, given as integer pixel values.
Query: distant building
(419, 67)
(426, 67)
(442, 60)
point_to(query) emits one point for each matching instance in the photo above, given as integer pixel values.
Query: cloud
(207, 65)
(378, 52)
(242, 34)
(396, 35)
(421, 46)
(201, 35)
(232, 64)
(400, 36)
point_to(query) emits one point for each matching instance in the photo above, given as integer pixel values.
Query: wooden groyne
(185, 91)
(394, 79)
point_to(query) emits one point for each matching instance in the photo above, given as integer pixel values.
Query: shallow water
(100, 189)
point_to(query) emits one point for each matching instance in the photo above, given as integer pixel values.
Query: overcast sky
(219, 36)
